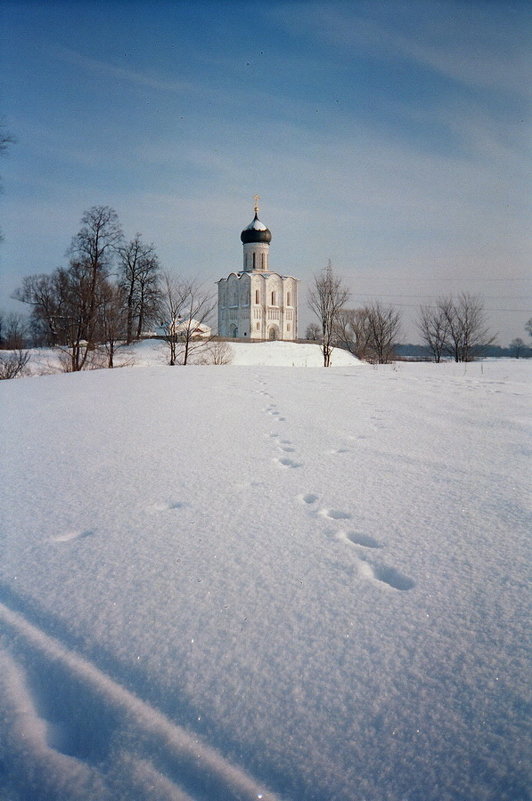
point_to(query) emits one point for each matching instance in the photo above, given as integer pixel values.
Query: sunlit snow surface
(243, 582)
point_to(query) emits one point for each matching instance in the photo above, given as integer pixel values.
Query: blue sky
(390, 137)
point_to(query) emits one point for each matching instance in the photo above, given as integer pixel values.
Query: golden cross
(256, 199)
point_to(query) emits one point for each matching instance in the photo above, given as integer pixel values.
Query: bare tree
(343, 330)
(41, 293)
(186, 307)
(467, 332)
(113, 316)
(13, 331)
(453, 341)
(79, 292)
(196, 315)
(92, 252)
(362, 333)
(97, 241)
(13, 363)
(326, 298)
(67, 310)
(518, 348)
(352, 331)
(139, 276)
(313, 332)
(171, 307)
(383, 327)
(433, 325)
(217, 352)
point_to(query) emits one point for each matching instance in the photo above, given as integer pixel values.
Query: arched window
(263, 261)
(273, 298)
(257, 296)
(254, 261)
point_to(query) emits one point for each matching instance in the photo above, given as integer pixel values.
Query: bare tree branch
(13, 364)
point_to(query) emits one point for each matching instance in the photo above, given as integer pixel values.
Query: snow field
(317, 578)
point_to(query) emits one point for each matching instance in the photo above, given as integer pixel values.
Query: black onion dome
(256, 232)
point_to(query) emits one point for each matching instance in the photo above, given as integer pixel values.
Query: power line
(413, 279)
(432, 306)
(420, 297)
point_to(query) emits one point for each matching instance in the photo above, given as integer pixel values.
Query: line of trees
(452, 327)
(99, 296)
(110, 292)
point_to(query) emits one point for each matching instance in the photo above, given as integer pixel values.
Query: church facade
(256, 303)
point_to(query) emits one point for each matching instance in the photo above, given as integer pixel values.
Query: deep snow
(254, 581)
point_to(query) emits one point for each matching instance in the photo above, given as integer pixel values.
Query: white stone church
(256, 303)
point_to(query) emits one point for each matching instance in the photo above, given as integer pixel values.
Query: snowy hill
(290, 354)
(154, 352)
(265, 583)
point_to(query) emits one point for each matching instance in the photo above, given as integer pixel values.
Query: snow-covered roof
(264, 274)
(256, 231)
(255, 225)
(181, 325)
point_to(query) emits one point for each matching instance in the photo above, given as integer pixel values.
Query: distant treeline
(422, 352)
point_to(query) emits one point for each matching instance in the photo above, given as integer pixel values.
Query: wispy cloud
(126, 74)
(476, 45)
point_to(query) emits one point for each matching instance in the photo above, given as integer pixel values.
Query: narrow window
(258, 326)
(257, 296)
(273, 298)
(263, 260)
(254, 261)
(288, 326)
(288, 298)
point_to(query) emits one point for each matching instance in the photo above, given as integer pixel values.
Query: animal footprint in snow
(285, 462)
(335, 514)
(386, 575)
(309, 498)
(286, 449)
(166, 506)
(68, 536)
(356, 538)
